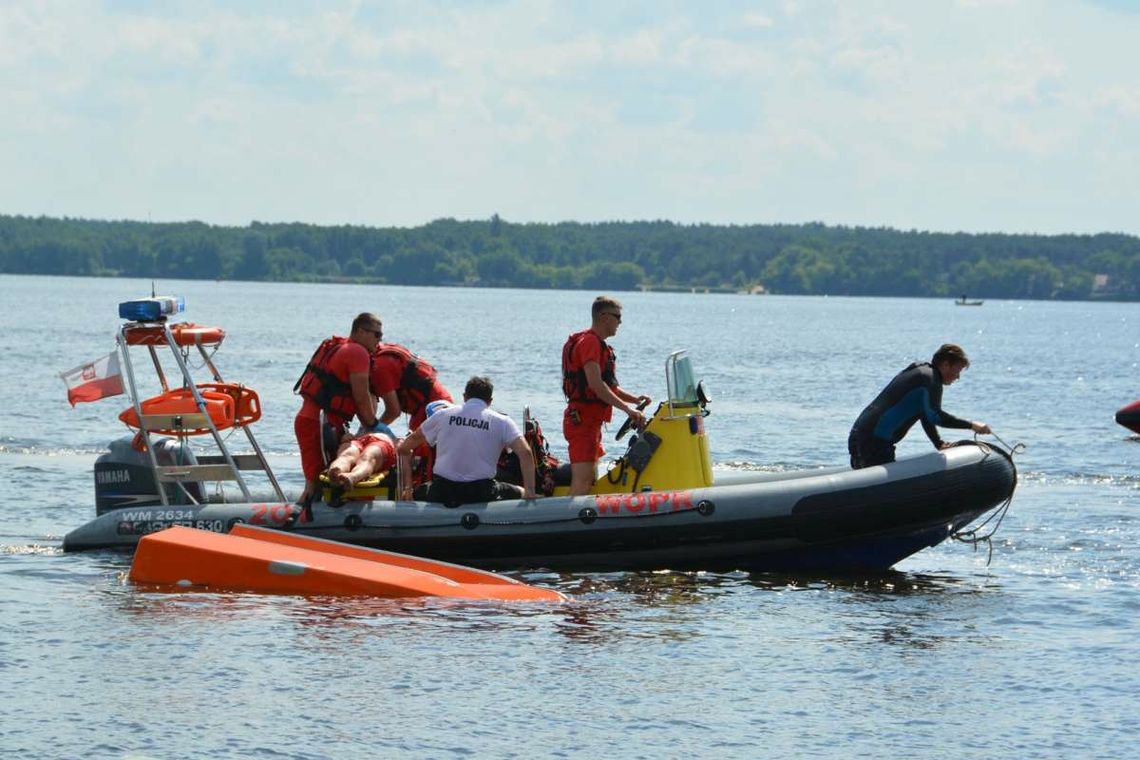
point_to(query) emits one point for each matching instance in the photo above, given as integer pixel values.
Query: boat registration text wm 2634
(145, 521)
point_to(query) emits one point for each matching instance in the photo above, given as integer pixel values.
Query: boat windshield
(682, 385)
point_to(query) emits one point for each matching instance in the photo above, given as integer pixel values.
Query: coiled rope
(975, 535)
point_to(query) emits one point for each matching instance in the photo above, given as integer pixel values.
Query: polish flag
(94, 380)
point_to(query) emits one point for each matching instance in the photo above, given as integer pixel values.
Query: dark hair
(479, 387)
(365, 320)
(950, 352)
(604, 303)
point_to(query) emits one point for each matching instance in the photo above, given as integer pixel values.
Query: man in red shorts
(335, 381)
(589, 381)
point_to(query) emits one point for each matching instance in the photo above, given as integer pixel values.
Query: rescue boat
(658, 506)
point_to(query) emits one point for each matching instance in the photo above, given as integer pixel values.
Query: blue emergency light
(152, 309)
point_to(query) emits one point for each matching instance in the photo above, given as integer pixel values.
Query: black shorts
(867, 450)
(452, 493)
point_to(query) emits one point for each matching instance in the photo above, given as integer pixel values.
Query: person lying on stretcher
(362, 456)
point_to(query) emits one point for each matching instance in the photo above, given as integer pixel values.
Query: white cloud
(643, 48)
(873, 113)
(1118, 100)
(757, 20)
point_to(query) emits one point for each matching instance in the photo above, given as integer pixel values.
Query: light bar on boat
(151, 309)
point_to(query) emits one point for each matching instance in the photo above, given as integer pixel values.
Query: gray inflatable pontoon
(827, 520)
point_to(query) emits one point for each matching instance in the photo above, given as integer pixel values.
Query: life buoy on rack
(184, 334)
(179, 403)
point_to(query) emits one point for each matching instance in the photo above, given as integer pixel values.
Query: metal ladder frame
(181, 474)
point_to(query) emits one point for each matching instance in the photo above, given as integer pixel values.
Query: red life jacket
(574, 383)
(321, 386)
(417, 377)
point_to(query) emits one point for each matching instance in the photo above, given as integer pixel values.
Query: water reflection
(15, 550)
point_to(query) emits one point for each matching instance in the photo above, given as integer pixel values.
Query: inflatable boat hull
(1129, 416)
(833, 520)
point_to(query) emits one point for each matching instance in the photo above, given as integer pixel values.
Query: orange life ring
(180, 402)
(184, 334)
(247, 404)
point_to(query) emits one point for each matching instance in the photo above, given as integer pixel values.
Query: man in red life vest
(589, 381)
(406, 384)
(336, 382)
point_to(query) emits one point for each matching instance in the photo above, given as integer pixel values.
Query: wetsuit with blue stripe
(914, 395)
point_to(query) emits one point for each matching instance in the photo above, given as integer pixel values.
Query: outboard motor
(124, 477)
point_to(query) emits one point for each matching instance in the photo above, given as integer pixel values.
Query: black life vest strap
(330, 385)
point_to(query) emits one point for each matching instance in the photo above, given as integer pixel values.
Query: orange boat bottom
(261, 560)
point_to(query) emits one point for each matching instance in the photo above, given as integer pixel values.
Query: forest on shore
(812, 258)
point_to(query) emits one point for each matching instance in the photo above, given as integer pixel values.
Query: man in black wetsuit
(914, 394)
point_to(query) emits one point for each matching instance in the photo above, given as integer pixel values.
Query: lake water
(1031, 655)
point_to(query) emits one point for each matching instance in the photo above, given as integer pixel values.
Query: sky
(973, 116)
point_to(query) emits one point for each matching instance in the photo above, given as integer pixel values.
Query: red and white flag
(94, 380)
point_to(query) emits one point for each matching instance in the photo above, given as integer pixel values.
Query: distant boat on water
(963, 301)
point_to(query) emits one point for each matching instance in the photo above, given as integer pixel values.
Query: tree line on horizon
(800, 259)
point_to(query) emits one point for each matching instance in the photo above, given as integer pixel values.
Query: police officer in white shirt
(468, 441)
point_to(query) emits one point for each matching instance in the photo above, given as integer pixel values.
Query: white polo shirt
(468, 440)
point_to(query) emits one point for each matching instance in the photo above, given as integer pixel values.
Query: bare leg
(346, 459)
(582, 477)
(359, 472)
(371, 461)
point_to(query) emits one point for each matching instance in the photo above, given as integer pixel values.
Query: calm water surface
(1032, 655)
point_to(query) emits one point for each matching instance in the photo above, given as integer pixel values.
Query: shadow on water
(658, 588)
(889, 583)
(668, 600)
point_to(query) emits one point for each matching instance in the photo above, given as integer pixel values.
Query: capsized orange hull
(257, 559)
